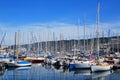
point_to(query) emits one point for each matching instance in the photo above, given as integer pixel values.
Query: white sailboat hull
(18, 64)
(83, 64)
(96, 68)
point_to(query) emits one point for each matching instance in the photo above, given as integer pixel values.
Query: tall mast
(28, 41)
(41, 46)
(15, 44)
(18, 45)
(54, 47)
(78, 46)
(91, 42)
(108, 44)
(84, 30)
(38, 43)
(118, 42)
(98, 29)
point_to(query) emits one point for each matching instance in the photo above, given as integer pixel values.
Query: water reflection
(16, 73)
(49, 72)
(18, 68)
(57, 68)
(100, 74)
(87, 74)
(1, 73)
(82, 71)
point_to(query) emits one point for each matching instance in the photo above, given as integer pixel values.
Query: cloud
(35, 32)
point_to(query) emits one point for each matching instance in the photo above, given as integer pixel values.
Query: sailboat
(100, 66)
(16, 62)
(83, 63)
(35, 58)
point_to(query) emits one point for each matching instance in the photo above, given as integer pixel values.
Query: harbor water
(47, 72)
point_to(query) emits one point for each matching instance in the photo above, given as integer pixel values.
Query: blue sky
(21, 12)
(18, 14)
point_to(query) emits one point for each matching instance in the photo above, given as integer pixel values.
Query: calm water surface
(45, 72)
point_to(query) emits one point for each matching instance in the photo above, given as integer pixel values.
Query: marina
(83, 44)
(63, 65)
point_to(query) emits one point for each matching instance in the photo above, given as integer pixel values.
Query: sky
(42, 18)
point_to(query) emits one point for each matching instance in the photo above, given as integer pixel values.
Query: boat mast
(38, 44)
(18, 44)
(91, 42)
(78, 46)
(98, 30)
(108, 44)
(84, 31)
(118, 43)
(28, 36)
(15, 45)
